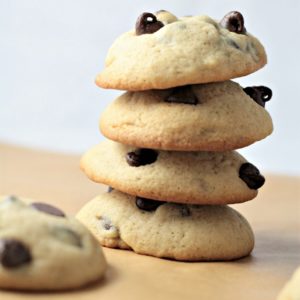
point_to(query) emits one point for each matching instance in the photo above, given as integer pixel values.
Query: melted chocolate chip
(234, 22)
(251, 176)
(110, 189)
(141, 157)
(147, 204)
(260, 94)
(185, 211)
(13, 253)
(48, 209)
(182, 94)
(147, 23)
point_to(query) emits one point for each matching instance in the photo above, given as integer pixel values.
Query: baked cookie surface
(224, 118)
(189, 50)
(189, 177)
(43, 249)
(291, 290)
(176, 231)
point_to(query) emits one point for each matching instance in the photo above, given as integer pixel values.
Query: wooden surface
(274, 216)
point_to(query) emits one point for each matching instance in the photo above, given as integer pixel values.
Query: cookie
(189, 177)
(164, 51)
(176, 231)
(209, 117)
(41, 248)
(291, 290)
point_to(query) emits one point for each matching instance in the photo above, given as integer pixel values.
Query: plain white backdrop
(51, 51)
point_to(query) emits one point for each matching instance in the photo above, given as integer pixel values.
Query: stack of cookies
(170, 161)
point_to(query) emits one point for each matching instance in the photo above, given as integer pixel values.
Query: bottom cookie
(168, 230)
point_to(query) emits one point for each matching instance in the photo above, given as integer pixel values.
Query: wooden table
(274, 216)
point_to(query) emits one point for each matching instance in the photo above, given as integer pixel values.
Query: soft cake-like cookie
(164, 51)
(291, 290)
(177, 231)
(41, 248)
(190, 177)
(211, 117)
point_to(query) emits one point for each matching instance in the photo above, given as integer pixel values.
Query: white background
(50, 52)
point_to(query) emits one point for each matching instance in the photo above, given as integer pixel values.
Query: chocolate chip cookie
(164, 51)
(184, 177)
(41, 248)
(209, 117)
(169, 230)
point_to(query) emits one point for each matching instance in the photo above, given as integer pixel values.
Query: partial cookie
(43, 249)
(176, 231)
(211, 117)
(291, 290)
(164, 52)
(188, 177)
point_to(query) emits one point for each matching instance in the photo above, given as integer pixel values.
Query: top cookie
(165, 52)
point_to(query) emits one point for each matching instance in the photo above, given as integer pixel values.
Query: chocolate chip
(251, 176)
(110, 189)
(182, 94)
(147, 204)
(260, 94)
(48, 209)
(147, 23)
(110, 230)
(185, 211)
(141, 157)
(13, 253)
(107, 224)
(234, 22)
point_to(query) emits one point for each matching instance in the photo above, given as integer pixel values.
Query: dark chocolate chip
(182, 94)
(185, 211)
(141, 157)
(110, 189)
(13, 253)
(260, 94)
(234, 22)
(107, 224)
(48, 209)
(251, 176)
(147, 23)
(147, 204)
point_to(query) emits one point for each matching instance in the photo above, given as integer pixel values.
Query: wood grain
(274, 216)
